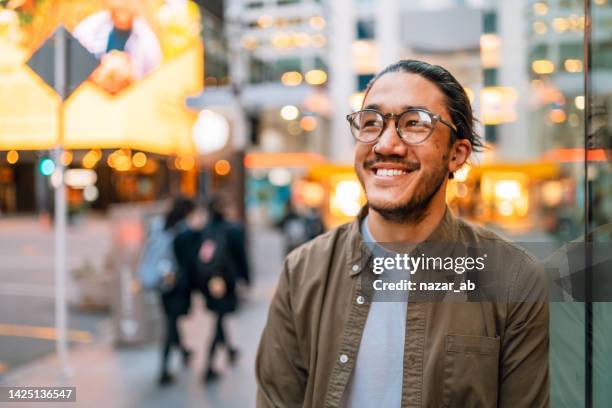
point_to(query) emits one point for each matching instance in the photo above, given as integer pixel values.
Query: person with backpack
(160, 270)
(220, 261)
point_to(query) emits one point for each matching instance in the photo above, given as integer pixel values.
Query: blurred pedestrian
(221, 261)
(160, 269)
(314, 223)
(293, 226)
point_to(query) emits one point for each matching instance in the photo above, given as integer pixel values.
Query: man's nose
(390, 142)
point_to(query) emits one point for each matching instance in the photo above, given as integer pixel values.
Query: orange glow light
(91, 158)
(12, 157)
(223, 167)
(185, 163)
(543, 67)
(557, 116)
(291, 78)
(308, 123)
(139, 159)
(66, 157)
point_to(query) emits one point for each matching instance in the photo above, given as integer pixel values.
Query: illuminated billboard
(150, 60)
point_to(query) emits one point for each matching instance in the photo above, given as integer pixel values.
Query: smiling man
(330, 342)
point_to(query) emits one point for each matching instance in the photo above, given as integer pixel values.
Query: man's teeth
(389, 172)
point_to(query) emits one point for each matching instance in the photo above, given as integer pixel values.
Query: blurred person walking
(300, 228)
(314, 223)
(293, 226)
(162, 268)
(220, 262)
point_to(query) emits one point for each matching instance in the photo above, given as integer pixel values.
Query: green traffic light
(47, 166)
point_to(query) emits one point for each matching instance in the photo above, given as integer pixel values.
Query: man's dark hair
(215, 205)
(181, 208)
(457, 101)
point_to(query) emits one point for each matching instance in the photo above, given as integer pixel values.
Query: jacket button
(360, 300)
(355, 268)
(343, 358)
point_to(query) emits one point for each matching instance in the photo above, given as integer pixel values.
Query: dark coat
(177, 301)
(236, 268)
(187, 246)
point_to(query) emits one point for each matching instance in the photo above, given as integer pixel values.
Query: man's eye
(416, 124)
(370, 123)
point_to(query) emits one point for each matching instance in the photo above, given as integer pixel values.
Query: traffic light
(47, 166)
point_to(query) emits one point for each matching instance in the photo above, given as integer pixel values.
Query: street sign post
(61, 312)
(63, 64)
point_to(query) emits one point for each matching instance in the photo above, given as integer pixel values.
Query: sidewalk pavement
(127, 377)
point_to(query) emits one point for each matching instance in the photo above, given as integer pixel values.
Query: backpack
(158, 259)
(213, 258)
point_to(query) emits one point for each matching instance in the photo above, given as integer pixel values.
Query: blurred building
(297, 68)
(276, 100)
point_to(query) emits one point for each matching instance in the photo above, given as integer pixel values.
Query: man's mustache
(379, 158)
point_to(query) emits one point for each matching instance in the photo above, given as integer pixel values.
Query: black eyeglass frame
(434, 119)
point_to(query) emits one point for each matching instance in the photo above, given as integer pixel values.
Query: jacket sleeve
(280, 371)
(524, 372)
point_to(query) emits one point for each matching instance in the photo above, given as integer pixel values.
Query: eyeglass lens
(414, 126)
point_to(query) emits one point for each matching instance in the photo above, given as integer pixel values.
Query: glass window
(365, 29)
(599, 214)
(287, 2)
(363, 80)
(289, 64)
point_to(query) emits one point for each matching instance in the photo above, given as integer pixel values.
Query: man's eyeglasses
(414, 126)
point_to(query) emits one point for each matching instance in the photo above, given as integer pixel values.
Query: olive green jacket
(456, 354)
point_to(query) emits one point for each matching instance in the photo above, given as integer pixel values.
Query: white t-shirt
(378, 374)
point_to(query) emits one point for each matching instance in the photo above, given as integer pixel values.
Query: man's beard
(415, 209)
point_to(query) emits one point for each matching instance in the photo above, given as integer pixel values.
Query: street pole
(61, 309)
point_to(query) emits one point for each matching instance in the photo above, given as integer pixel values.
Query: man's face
(122, 13)
(400, 179)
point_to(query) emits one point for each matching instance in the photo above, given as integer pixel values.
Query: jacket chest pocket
(471, 365)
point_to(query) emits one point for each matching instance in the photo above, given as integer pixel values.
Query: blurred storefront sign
(510, 195)
(80, 178)
(148, 115)
(258, 160)
(28, 111)
(343, 196)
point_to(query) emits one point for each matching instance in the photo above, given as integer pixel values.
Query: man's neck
(383, 230)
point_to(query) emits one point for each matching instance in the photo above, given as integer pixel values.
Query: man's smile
(391, 170)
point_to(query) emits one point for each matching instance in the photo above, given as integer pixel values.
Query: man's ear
(460, 152)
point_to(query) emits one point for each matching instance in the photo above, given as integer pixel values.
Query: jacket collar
(445, 236)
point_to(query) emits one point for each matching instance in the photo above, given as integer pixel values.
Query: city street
(27, 286)
(264, 124)
(127, 377)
